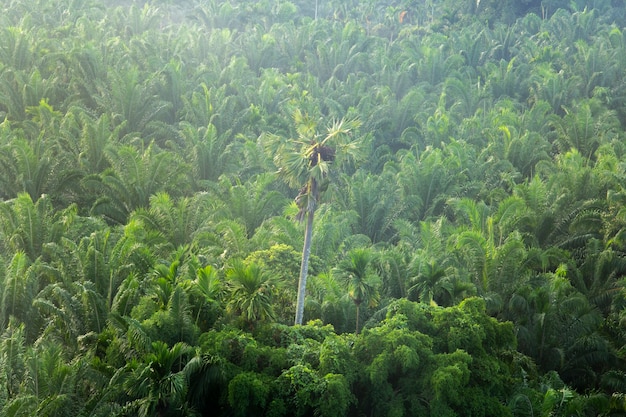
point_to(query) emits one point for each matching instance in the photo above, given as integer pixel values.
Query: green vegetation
(162, 164)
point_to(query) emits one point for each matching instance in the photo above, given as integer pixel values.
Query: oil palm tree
(210, 153)
(134, 176)
(250, 292)
(428, 178)
(157, 383)
(176, 223)
(25, 168)
(70, 311)
(585, 127)
(493, 256)
(560, 329)
(254, 201)
(306, 162)
(19, 288)
(33, 166)
(205, 289)
(133, 102)
(430, 282)
(51, 385)
(360, 278)
(27, 225)
(12, 357)
(375, 200)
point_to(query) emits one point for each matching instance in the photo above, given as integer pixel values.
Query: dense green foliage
(465, 160)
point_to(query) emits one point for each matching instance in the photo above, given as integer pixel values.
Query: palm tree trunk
(304, 266)
(357, 320)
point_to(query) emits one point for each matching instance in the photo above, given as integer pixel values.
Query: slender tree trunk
(357, 319)
(304, 266)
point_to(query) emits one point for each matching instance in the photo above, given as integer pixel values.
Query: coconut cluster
(323, 153)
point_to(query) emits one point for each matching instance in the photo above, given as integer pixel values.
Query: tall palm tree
(305, 162)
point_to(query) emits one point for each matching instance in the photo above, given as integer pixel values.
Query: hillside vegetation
(452, 173)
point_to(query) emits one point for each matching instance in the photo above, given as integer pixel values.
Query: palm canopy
(310, 155)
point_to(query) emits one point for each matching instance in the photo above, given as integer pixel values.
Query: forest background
(465, 162)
